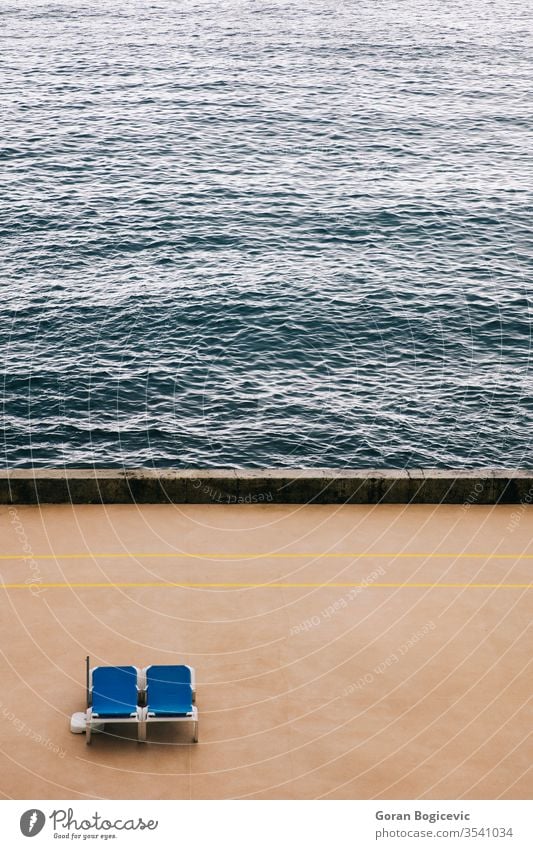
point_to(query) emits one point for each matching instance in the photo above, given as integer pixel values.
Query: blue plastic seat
(169, 690)
(114, 691)
(113, 697)
(170, 696)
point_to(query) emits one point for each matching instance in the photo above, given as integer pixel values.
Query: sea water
(265, 233)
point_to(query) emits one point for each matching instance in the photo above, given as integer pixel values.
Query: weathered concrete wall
(280, 486)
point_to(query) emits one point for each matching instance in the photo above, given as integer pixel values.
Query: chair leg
(195, 738)
(88, 731)
(141, 731)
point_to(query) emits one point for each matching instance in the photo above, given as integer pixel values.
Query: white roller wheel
(77, 723)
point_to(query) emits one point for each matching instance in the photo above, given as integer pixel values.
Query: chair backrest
(168, 688)
(114, 690)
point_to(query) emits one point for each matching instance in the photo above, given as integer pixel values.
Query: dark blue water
(265, 234)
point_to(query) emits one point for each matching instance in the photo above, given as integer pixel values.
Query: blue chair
(113, 697)
(170, 696)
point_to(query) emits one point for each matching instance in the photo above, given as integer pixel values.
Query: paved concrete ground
(341, 652)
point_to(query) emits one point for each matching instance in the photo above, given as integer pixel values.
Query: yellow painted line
(265, 555)
(234, 585)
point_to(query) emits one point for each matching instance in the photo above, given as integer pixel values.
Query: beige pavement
(341, 652)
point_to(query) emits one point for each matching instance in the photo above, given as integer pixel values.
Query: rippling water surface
(265, 233)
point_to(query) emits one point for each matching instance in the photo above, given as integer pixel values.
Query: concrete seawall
(268, 486)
